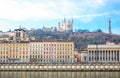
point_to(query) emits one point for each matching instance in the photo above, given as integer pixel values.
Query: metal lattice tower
(109, 26)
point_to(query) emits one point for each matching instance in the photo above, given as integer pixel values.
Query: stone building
(84, 56)
(109, 52)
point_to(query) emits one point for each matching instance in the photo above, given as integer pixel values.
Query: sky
(87, 14)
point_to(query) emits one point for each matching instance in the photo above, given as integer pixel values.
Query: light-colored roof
(103, 46)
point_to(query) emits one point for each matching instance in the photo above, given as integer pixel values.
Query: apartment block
(14, 52)
(52, 52)
(37, 52)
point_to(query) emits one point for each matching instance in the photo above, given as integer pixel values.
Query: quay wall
(61, 67)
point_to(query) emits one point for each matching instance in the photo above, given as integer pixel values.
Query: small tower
(109, 26)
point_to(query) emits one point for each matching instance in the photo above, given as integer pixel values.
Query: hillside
(81, 40)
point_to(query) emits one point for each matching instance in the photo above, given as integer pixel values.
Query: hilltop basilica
(65, 26)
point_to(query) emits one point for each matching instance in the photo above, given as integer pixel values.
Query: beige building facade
(14, 52)
(37, 52)
(52, 52)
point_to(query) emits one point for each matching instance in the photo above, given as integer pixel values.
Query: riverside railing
(61, 67)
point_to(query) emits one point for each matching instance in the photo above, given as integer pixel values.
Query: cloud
(89, 17)
(5, 25)
(43, 9)
(116, 12)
